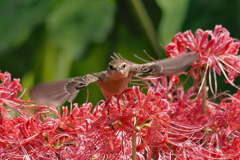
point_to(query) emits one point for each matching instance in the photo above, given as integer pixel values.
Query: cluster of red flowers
(167, 121)
(217, 52)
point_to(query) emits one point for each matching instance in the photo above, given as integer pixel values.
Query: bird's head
(117, 69)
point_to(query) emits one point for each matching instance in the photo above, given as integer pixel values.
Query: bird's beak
(117, 69)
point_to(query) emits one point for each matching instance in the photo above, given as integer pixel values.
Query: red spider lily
(167, 121)
(169, 89)
(217, 51)
(231, 107)
(9, 89)
(185, 107)
(165, 129)
(105, 133)
(185, 111)
(30, 134)
(135, 112)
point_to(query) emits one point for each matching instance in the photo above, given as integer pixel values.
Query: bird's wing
(56, 93)
(165, 67)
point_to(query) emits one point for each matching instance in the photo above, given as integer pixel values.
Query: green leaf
(18, 19)
(74, 24)
(26, 81)
(174, 13)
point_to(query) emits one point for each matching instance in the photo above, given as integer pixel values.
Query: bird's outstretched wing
(56, 93)
(166, 66)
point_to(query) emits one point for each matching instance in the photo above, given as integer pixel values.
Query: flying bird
(113, 81)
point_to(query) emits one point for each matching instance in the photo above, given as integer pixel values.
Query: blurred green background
(46, 40)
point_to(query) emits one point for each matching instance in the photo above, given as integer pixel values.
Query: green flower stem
(134, 146)
(204, 89)
(134, 140)
(147, 25)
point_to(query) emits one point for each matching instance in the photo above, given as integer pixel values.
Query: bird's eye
(110, 67)
(124, 66)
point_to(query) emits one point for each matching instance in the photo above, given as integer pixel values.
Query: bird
(112, 82)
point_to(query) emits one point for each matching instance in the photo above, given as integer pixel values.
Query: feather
(173, 65)
(54, 93)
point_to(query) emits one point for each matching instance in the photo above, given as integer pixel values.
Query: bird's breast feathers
(112, 86)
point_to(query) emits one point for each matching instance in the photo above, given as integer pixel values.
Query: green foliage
(75, 24)
(174, 13)
(18, 19)
(56, 39)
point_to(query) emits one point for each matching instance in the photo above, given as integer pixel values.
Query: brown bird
(113, 81)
